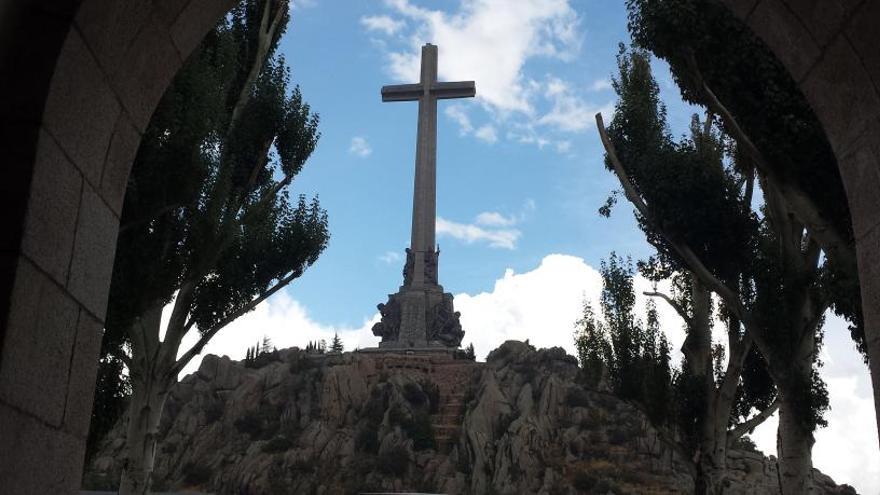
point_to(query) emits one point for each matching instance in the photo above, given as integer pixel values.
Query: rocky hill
(293, 422)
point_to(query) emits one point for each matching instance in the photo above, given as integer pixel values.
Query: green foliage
(112, 390)
(395, 461)
(577, 397)
(207, 214)
(336, 344)
(635, 355)
(316, 347)
(196, 474)
(277, 444)
(261, 354)
(705, 43)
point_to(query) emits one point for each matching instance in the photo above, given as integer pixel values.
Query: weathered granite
(339, 424)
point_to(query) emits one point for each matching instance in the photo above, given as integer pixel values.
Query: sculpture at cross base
(420, 314)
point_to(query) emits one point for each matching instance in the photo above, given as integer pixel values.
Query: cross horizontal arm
(460, 89)
(402, 92)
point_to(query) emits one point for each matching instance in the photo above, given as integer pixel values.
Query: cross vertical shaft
(425, 183)
(424, 217)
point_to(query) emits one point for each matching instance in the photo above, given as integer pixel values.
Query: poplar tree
(207, 225)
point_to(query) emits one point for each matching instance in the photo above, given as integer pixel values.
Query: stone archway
(79, 80)
(832, 49)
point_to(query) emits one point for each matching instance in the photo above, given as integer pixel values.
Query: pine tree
(336, 344)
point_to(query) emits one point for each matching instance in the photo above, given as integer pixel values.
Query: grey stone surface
(864, 22)
(52, 209)
(37, 459)
(793, 38)
(95, 244)
(123, 148)
(193, 21)
(80, 108)
(109, 27)
(151, 62)
(80, 393)
(862, 179)
(37, 346)
(842, 96)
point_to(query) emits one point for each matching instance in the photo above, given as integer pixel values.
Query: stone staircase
(453, 381)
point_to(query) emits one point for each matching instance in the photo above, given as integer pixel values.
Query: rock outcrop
(359, 422)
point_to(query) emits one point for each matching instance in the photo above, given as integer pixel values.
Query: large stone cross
(427, 92)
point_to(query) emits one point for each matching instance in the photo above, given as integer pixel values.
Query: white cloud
(542, 306)
(507, 33)
(569, 112)
(390, 257)
(360, 147)
(487, 133)
(382, 23)
(286, 322)
(494, 219)
(847, 449)
(470, 233)
(600, 85)
(458, 114)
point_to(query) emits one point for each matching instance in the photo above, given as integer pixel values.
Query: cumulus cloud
(458, 114)
(286, 322)
(470, 233)
(360, 147)
(507, 33)
(600, 85)
(494, 219)
(569, 112)
(487, 133)
(390, 257)
(382, 23)
(847, 449)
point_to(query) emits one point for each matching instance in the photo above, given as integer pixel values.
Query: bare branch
(209, 334)
(683, 250)
(747, 426)
(677, 307)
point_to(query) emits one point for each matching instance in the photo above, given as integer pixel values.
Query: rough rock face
(340, 424)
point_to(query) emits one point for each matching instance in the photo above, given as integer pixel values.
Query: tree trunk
(794, 444)
(147, 400)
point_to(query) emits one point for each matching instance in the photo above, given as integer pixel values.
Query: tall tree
(336, 344)
(207, 225)
(694, 213)
(720, 64)
(634, 354)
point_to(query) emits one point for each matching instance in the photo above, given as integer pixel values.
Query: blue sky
(341, 54)
(520, 179)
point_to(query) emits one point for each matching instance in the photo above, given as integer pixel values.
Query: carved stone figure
(445, 326)
(408, 267)
(389, 327)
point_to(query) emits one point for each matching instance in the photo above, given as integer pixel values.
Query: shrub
(213, 411)
(583, 481)
(196, 474)
(433, 392)
(577, 397)
(367, 438)
(617, 437)
(395, 461)
(413, 394)
(277, 444)
(421, 432)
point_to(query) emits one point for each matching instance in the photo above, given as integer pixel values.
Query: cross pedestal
(420, 314)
